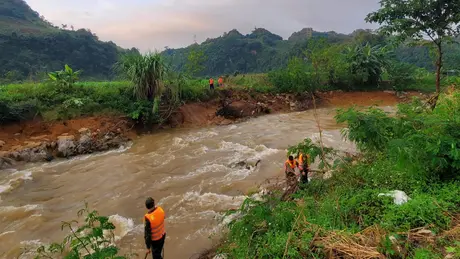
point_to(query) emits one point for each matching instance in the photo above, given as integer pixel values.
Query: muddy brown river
(187, 171)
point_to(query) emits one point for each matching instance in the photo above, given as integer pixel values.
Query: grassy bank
(344, 217)
(46, 100)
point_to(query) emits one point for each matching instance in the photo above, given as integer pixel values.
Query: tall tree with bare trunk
(433, 20)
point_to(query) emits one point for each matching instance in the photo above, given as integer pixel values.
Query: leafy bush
(295, 78)
(92, 239)
(401, 75)
(64, 78)
(422, 210)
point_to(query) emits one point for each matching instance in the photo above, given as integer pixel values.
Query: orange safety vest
(301, 159)
(221, 80)
(157, 223)
(211, 81)
(291, 164)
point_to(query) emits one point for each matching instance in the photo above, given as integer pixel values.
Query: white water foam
(26, 208)
(200, 136)
(6, 233)
(223, 219)
(200, 151)
(123, 226)
(246, 153)
(179, 142)
(14, 180)
(159, 160)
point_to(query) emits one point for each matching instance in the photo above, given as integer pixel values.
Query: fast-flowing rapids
(191, 173)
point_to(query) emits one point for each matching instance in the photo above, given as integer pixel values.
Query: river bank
(36, 141)
(377, 205)
(194, 173)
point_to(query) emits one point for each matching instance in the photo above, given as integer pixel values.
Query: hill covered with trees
(31, 46)
(263, 51)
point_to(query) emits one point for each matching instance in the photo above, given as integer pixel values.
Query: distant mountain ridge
(263, 51)
(31, 46)
(259, 51)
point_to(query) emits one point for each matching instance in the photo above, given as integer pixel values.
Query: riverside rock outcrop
(64, 147)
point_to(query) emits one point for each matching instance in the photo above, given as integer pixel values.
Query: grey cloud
(174, 22)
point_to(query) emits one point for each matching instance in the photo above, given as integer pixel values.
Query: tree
(195, 61)
(366, 63)
(436, 20)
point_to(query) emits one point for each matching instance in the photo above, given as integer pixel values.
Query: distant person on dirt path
(289, 168)
(154, 232)
(220, 81)
(211, 83)
(304, 167)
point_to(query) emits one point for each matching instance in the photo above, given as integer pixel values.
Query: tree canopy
(437, 20)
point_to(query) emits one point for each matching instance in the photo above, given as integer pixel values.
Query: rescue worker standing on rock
(289, 168)
(154, 232)
(211, 83)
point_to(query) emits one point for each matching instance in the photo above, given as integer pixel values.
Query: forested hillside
(31, 46)
(262, 51)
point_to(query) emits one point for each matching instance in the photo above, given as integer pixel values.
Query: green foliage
(454, 249)
(423, 253)
(408, 19)
(94, 238)
(64, 78)
(370, 130)
(401, 74)
(422, 210)
(195, 62)
(295, 78)
(147, 73)
(437, 20)
(315, 151)
(398, 152)
(25, 101)
(31, 47)
(366, 63)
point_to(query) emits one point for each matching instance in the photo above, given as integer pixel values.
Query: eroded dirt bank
(35, 141)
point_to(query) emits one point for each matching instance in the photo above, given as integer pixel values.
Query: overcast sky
(154, 24)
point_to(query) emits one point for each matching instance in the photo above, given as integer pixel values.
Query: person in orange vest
(211, 83)
(304, 167)
(289, 168)
(154, 232)
(221, 82)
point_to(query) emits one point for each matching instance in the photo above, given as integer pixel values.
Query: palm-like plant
(64, 78)
(147, 73)
(367, 62)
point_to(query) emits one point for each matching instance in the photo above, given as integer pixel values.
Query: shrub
(421, 211)
(401, 75)
(94, 238)
(295, 78)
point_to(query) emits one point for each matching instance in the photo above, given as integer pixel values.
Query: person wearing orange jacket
(211, 83)
(304, 167)
(154, 231)
(289, 168)
(220, 81)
